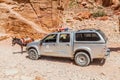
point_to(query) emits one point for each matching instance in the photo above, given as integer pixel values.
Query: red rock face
(84, 15)
(47, 14)
(103, 18)
(98, 2)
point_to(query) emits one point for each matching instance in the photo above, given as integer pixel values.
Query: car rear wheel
(82, 59)
(33, 54)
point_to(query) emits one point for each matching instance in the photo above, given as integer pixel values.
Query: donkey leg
(21, 49)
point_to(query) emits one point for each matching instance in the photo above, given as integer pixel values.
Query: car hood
(34, 43)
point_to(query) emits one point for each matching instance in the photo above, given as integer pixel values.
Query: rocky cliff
(36, 18)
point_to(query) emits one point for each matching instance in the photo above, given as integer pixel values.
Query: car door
(48, 46)
(64, 47)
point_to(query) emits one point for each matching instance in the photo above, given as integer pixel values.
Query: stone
(84, 3)
(117, 12)
(11, 72)
(103, 18)
(26, 78)
(38, 78)
(84, 15)
(103, 73)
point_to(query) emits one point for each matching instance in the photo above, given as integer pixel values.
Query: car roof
(88, 30)
(83, 30)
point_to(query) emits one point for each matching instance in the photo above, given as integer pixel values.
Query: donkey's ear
(12, 37)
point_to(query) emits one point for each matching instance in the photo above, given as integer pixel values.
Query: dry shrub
(2, 1)
(38, 78)
(99, 13)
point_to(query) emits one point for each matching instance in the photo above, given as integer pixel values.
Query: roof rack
(91, 29)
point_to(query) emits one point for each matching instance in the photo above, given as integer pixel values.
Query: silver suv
(83, 46)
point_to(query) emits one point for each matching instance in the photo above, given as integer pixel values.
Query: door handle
(53, 44)
(68, 44)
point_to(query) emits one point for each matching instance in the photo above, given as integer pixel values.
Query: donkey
(22, 42)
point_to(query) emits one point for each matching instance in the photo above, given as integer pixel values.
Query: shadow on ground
(19, 52)
(69, 61)
(99, 62)
(114, 48)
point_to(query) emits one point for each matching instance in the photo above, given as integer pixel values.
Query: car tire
(82, 59)
(33, 54)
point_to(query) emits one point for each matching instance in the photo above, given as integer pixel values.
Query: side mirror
(41, 42)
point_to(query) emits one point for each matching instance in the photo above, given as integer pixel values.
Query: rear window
(87, 37)
(103, 35)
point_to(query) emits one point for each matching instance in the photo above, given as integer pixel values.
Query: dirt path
(20, 17)
(18, 67)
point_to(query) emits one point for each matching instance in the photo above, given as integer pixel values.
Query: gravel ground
(17, 66)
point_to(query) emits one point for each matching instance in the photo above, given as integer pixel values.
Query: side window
(65, 37)
(52, 38)
(87, 37)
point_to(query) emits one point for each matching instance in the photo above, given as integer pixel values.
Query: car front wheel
(33, 54)
(82, 59)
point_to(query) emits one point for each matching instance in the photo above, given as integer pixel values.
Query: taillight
(105, 47)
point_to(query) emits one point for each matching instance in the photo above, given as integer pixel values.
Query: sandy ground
(16, 66)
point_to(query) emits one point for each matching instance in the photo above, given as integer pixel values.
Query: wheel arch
(83, 50)
(33, 47)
